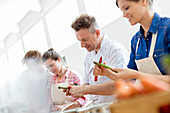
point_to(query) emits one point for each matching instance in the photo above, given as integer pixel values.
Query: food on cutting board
(126, 89)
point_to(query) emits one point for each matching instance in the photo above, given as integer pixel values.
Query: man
(98, 45)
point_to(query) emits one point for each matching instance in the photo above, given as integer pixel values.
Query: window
(101, 9)
(59, 23)
(3, 60)
(3, 65)
(35, 39)
(15, 55)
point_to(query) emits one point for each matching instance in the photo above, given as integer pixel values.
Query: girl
(63, 76)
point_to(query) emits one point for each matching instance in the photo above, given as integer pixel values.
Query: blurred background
(41, 24)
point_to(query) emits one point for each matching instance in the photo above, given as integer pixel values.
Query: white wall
(75, 56)
(121, 30)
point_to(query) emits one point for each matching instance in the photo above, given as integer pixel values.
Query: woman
(151, 42)
(63, 76)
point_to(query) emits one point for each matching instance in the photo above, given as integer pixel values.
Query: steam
(27, 93)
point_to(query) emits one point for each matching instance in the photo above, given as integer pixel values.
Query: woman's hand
(101, 71)
(124, 73)
(121, 73)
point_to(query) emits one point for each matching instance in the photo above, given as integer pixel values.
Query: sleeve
(82, 101)
(75, 78)
(118, 57)
(132, 64)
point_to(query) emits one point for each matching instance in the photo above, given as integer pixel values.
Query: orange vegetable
(126, 89)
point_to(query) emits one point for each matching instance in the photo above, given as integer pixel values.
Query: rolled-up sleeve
(74, 78)
(81, 101)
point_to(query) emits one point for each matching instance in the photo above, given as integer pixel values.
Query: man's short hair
(85, 21)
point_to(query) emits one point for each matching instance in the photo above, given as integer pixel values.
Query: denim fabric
(162, 46)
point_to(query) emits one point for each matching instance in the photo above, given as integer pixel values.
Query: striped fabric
(72, 78)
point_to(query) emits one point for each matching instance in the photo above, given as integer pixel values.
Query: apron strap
(152, 47)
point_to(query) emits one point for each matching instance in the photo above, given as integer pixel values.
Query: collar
(67, 72)
(154, 25)
(65, 76)
(103, 43)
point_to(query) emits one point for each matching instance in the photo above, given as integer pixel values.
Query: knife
(96, 77)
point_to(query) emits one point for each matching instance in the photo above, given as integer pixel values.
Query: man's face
(87, 39)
